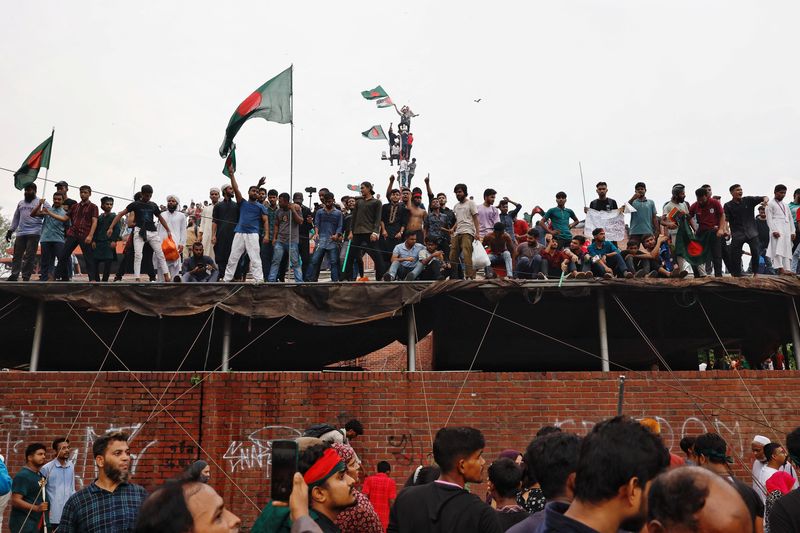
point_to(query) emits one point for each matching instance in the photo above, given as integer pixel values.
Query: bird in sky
(477, 101)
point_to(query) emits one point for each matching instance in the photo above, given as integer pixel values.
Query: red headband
(330, 463)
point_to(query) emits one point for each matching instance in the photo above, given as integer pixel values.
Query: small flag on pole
(372, 94)
(230, 162)
(354, 188)
(384, 102)
(374, 133)
(29, 171)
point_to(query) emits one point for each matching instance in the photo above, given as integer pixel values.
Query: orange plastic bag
(170, 249)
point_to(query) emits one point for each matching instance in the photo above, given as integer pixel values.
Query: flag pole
(47, 170)
(291, 169)
(583, 187)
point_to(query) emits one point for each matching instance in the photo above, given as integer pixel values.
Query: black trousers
(70, 243)
(361, 243)
(736, 254)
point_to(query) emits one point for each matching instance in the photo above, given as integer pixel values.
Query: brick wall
(235, 416)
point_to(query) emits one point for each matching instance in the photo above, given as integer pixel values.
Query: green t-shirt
(26, 482)
(560, 218)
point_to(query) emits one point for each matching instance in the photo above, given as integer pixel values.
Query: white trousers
(173, 266)
(138, 245)
(780, 261)
(245, 242)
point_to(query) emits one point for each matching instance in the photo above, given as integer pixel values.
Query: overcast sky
(679, 91)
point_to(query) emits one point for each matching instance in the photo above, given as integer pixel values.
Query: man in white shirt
(60, 474)
(206, 220)
(781, 232)
(757, 447)
(176, 222)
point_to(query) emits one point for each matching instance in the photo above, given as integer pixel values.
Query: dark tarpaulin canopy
(323, 323)
(337, 304)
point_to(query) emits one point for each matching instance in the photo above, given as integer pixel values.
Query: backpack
(318, 430)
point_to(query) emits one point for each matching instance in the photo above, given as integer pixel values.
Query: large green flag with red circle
(695, 249)
(272, 102)
(29, 171)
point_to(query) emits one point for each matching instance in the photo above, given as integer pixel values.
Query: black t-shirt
(509, 519)
(394, 217)
(145, 214)
(607, 204)
(785, 514)
(741, 217)
(751, 499)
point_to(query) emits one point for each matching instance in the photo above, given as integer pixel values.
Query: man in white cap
(206, 220)
(757, 447)
(176, 225)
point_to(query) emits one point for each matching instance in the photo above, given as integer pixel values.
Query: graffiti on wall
(255, 451)
(17, 428)
(672, 434)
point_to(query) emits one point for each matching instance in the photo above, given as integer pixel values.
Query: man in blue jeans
(405, 260)
(287, 237)
(328, 222)
(605, 257)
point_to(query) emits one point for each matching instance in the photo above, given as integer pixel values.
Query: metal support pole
(795, 333)
(37, 337)
(411, 345)
(621, 398)
(601, 322)
(226, 342)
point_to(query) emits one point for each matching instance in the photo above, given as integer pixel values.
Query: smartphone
(284, 465)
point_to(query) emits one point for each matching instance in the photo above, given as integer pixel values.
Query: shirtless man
(416, 214)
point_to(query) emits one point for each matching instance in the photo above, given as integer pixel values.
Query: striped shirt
(95, 510)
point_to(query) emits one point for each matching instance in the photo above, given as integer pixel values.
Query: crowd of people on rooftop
(619, 477)
(264, 233)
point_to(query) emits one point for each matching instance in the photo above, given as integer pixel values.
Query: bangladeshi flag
(372, 94)
(694, 249)
(384, 102)
(230, 162)
(375, 133)
(29, 171)
(272, 102)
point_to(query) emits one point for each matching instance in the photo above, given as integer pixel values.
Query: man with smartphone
(330, 490)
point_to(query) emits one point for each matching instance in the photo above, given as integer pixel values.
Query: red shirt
(380, 488)
(81, 215)
(521, 229)
(709, 215)
(554, 257)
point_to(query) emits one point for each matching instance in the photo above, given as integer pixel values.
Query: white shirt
(177, 226)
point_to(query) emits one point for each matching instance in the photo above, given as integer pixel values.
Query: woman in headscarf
(199, 471)
(360, 518)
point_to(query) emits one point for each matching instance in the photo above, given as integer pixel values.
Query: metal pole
(601, 322)
(226, 342)
(795, 332)
(37, 337)
(621, 399)
(411, 346)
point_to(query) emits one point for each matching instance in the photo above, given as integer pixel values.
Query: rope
(149, 392)
(472, 364)
(422, 375)
(633, 321)
(187, 391)
(638, 373)
(97, 375)
(739, 375)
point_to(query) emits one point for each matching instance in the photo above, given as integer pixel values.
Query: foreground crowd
(267, 233)
(619, 477)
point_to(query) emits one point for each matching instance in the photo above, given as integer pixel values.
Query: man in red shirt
(83, 220)
(710, 217)
(381, 490)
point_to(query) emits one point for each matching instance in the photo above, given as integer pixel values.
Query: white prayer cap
(225, 186)
(760, 439)
(214, 189)
(173, 197)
